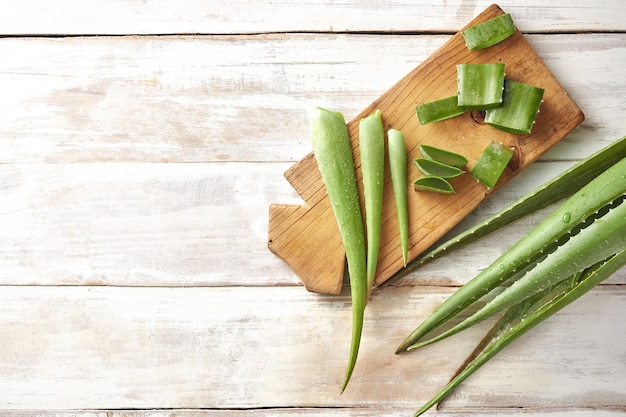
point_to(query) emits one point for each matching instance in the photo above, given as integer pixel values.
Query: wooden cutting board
(307, 238)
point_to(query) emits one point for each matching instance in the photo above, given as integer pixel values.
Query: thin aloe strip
(561, 186)
(397, 166)
(333, 153)
(489, 33)
(492, 163)
(480, 86)
(433, 184)
(519, 108)
(372, 149)
(439, 110)
(443, 155)
(596, 194)
(437, 169)
(603, 238)
(524, 316)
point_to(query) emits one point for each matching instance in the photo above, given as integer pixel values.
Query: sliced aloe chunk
(444, 156)
(433, 184)
(519, 108)
(489, 32)
(433, 168)
(438, 110)
(492, 163)
(480, 86)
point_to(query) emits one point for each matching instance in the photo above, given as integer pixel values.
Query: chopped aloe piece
(433, 184)
(489, 32)
(519, 108)
(438, 110)
(480, 85)
(444, 156)
(437, 169)
(491, 164)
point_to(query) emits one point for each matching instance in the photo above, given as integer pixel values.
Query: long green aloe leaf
(561, 186)
(601, 191)
(524, 316)
(596, 242)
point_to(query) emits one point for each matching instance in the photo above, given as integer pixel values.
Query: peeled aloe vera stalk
(561, 186)
(489, 32)
(480, 86)
(527, 314)
(438, 110)
(491, 164)
(519, 108)
(597, 194)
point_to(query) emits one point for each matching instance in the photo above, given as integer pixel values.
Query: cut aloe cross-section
(480, 86)
(519, 108)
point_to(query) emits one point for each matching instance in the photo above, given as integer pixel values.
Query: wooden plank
(139, 224)
(245, 16)
(169, 99)
(73, 348)
(307, 238)
(192, 224)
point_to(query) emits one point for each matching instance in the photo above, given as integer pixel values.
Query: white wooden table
(141, 144)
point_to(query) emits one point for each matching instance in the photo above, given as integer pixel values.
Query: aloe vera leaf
(433, 184)
(372, 149)
(443, 155)
(480, 86)
(489, 32)
(600, 240)
(519, 108)
(491, 164)
(398, 169)
(524, 316)
(437, 169)
(561, 186)
(438, 110)
(333, 153)
(596, 194)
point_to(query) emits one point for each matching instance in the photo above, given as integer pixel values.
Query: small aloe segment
(599, 193)
(480, 86)
(372, 150)
(492, 163)
(438, 110)
(433, 184)
(437, 169)
(443, 155)
(398, 168)
(333, 153)
(519, 108)
(527, 314)
(489, 32)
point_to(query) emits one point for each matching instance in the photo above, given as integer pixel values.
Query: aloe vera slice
(480, 86)
(398, 168)
(491, 164)
(519, 108)
(433, 184)
(437, 169)
(438, 110)
(442, 155)
(489, 32)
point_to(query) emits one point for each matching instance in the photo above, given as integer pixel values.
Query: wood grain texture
(307, 238)
(169, 99)
(102, 17)
(219, 348)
